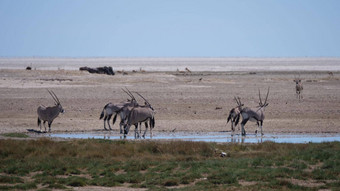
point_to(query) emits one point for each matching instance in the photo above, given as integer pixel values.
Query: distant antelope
(110, 109)
(234, 114)
(49, 113)
(256, 114)
(298, 88)
(330, 74)
(140, 114)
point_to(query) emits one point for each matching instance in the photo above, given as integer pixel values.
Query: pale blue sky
(170, 28)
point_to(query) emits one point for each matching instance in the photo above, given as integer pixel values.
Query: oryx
(49, 113)
(139, 114)
(125, 112)
(298, 87)
(234, 114)
(256, 114)
(110, 109)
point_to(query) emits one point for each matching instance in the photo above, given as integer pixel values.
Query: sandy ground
(197, 101)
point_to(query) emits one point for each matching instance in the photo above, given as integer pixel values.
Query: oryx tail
(102, 114)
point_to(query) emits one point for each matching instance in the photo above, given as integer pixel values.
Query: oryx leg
(105, 121)
(121, 126)
(146, 129)
(261, 123)
(140, 128)
(232, 128)
(236, 120)
(49, 126)
(233, 125)
(152, 125)
(136, 131)
(126, 130)
(108, 121)
(258, 126)
(122, 122)
(243, 123)
(44, 125)
(39, 123)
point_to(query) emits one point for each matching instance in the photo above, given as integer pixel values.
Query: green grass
(177, 165)
(15, 135)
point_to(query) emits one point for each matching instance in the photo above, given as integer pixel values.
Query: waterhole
(220, 137)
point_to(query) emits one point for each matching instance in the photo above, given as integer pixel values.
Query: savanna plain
(197, 101)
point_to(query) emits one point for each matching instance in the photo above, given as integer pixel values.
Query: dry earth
(197, 101)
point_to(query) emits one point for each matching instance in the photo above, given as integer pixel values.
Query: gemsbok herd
(132, 113)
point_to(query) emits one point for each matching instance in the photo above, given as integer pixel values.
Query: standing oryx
(298, 88)
(49, 113)
(139, 114)
(256, 114)
(234, 114)
(110, 109)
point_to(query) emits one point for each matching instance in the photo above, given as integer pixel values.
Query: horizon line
(166, 57)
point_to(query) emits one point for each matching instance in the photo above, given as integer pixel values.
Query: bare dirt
(196, 101)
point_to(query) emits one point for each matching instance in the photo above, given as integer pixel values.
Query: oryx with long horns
(254, 114)
(234, 114)
(49, 113)
(140, 114)
(110, 109)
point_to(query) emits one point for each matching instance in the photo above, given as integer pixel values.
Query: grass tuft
(10, 179)
(15, 135)
(223, 177)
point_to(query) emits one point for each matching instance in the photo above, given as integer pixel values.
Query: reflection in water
(243, 139)
(208, 137)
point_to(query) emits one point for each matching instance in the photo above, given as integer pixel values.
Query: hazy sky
(170, 28)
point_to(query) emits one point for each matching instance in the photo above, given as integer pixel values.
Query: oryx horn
(133, 97)
(238, 103)
(129, 93)
(260, 97)
(265, 101)
(55, 98)
(143, 98)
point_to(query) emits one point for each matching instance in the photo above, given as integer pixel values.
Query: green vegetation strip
(17, 135)
(47, 165)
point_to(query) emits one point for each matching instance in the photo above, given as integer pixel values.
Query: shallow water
(221, 137)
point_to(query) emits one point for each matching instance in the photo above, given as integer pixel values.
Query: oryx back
(140, 114)
(48, 113)
(253, 114)
(111, 108)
